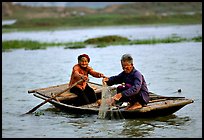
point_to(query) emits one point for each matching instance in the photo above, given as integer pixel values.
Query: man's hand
(110, 101)
(105, 79)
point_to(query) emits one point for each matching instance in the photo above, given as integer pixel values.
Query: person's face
(127, 67)
(83, 62)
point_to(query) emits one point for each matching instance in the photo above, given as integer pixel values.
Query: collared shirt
(77, 74)
(137, 82)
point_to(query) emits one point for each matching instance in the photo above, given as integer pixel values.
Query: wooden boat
(157, 106)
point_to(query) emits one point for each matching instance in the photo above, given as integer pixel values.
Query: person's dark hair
(127, 57)
(83, 55)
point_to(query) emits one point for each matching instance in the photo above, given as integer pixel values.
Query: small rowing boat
(157, 106)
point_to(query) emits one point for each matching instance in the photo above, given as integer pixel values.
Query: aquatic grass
(106, 39)
(116, 40)
(17, 44)
(34, 45)
(197, 39)
(75, 46)
(103, 45)
(99, 42)
(156, 41)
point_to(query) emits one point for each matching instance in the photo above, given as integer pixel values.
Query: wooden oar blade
(35, 108)
(49, 99)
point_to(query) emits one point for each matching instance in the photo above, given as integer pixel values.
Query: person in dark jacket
(133, 88)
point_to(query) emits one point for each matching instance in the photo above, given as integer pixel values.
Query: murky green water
(166, 67)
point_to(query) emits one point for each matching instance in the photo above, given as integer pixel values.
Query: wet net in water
(107, 110)
(104, 107)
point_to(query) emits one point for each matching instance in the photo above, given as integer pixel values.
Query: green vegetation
(16, 44)
(76, 45)
(100, 20)
(33, 45)
(172, 39)
(106, 39)
(95, 42)
(138, 13)
(197, 39)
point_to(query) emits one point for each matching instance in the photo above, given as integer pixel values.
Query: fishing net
(105, 101)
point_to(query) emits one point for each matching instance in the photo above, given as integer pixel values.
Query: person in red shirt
(81, 70)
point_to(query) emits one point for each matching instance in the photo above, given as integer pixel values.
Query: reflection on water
(116, 115)
(90, 126)
(145, 127)
(8, 22)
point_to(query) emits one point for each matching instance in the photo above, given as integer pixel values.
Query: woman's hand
(101, 75)
(84, 77)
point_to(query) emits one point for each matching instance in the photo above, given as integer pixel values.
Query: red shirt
(77, 74)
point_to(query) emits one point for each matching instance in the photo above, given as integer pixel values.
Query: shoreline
(100, 21)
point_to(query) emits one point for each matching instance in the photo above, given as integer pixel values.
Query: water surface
(166, 68)
(131, 32)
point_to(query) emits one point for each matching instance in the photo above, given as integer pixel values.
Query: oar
(49, 99)
(166, 97)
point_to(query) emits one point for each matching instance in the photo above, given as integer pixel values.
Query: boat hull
(157, 106)
(155, 109)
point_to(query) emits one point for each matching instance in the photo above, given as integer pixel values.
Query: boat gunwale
(147, 108)
(167, 106)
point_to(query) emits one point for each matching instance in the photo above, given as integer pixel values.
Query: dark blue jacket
(136, 80)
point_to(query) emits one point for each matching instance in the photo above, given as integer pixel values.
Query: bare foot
(137, 105)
